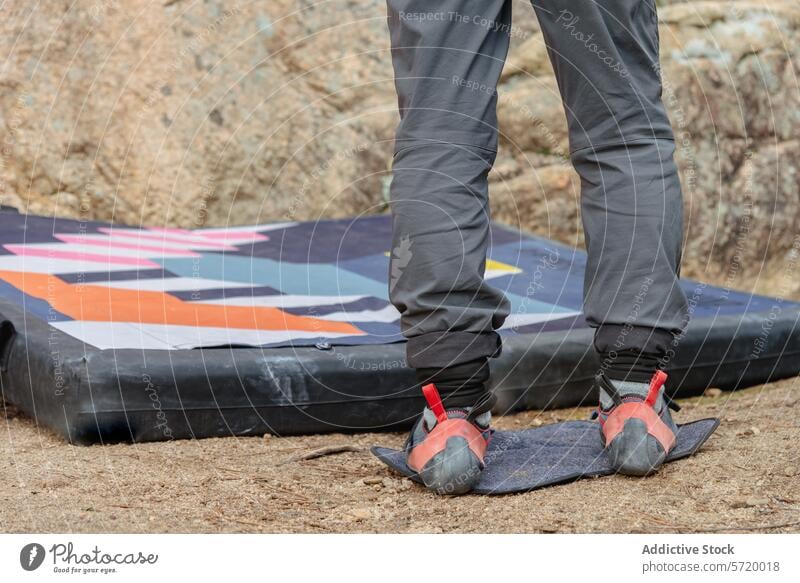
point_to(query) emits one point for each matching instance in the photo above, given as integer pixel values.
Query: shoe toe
(634, 451)
(454, 470)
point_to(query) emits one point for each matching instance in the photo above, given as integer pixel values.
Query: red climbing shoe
(446, 448)
(638, 432)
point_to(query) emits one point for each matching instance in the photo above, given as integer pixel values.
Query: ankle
(463, 386)
(630, 365)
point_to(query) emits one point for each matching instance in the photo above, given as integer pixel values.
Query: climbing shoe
(635, 423)
(446, 448)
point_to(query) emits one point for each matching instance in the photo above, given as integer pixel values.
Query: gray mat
(521, 461)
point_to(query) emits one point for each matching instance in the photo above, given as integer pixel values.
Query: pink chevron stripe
(149, 236)
(24, 251)
(174, 230)
(241, 236)
(114, 243)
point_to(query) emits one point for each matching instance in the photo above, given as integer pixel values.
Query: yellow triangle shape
(492, 265)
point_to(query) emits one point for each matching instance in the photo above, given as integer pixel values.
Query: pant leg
(605, 55)
(447, 58)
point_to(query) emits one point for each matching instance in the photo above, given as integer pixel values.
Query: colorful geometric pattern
(284, 284)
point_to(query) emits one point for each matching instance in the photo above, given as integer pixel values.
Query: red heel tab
(658, 380)
(431, 395)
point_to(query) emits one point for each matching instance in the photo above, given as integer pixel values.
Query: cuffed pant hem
(451, 348)
(609, 338)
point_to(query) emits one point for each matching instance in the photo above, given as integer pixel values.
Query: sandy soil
(746, 478)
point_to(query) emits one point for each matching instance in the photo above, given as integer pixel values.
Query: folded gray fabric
(521, 461)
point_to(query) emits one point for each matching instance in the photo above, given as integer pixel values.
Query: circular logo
(31, 556)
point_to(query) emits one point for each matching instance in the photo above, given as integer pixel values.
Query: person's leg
(447, 58)
(605, 55)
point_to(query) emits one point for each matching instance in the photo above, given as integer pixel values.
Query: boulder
(210, 113)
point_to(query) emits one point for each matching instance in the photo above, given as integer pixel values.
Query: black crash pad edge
(88, 395)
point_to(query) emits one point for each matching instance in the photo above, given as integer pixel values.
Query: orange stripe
(96, 303)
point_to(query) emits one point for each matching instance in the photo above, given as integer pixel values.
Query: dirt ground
(745, 479)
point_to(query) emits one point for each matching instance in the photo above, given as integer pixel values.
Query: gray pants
(447, 57)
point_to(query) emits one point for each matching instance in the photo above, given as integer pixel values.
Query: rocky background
(204, 112)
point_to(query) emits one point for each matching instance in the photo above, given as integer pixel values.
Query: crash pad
(112, 332)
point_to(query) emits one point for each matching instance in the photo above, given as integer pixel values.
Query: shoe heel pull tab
(658, 380)
(431, 395)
